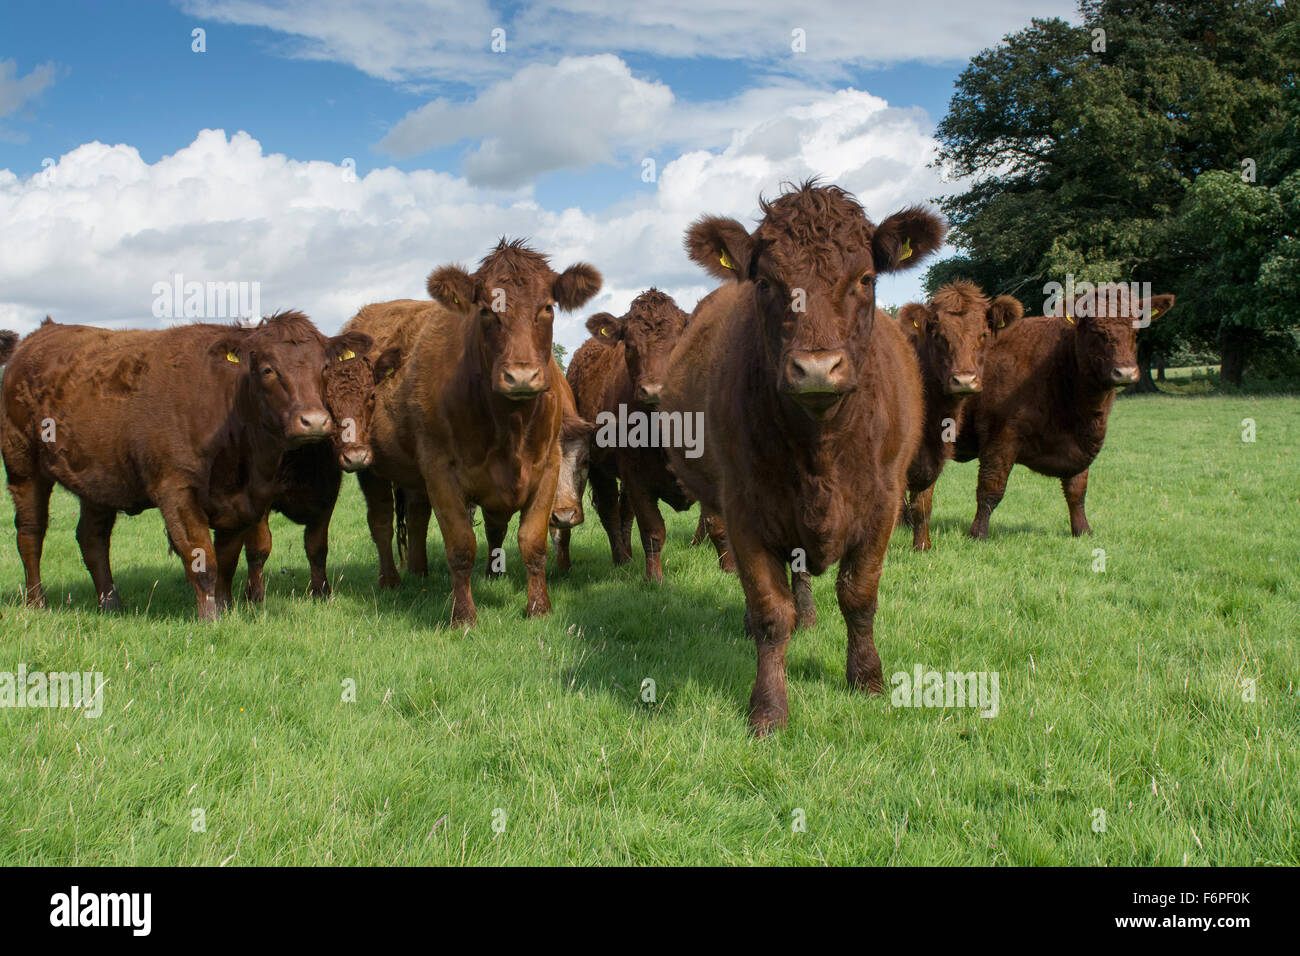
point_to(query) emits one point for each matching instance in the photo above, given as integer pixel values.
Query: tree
(559, 351)
(1083, 143)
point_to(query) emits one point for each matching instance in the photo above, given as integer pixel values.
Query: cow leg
(769, 620)
(716, 529)
(1075, 488)
(604, 494)
(458, 540)
(561, 538)
(31, 519)
(626, 512)
(94, 529)
(805, 608)
(417, 534)
(316, 542)
(229, 545)
(651, 524)
(187, 527)
(533, 522)
(494, 527)
(257, 549)
(701, 529)
(857, 587)
(379, 516)
(918, 516)
(989, 490)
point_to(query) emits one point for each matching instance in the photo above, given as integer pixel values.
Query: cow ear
(605, 328)
(8, 342)
(1158, 305)
(386, 366)
(452, 288)
(721, 246)
(573, 428)
(575, 286)
(1004, 310)
(914, 317)
(348, 345)
(907, 237)
(231, 350)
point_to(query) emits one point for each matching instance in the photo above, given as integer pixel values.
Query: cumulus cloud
(17, 91)
(88, 240)
(450, 40)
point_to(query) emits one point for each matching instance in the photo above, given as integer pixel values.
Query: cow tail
(399, 509)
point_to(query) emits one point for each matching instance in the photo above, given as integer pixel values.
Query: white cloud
(88, 244)
(450, 40)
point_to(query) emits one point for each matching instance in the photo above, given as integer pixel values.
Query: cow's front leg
(651, 524)
(1075, 489)
(857, 586)
(454, 521)
(229, 545)
(995, 466)
(187, 527)
(769, 620)
(257, 549)
(533, 522)
(94, 530)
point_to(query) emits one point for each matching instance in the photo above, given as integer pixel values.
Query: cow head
(953, 330)
(648, 332)
(811, 266)
(575, 454)
(8, 342)
(350, 397)
(283, 357)
(1105, 332)
(513, 296)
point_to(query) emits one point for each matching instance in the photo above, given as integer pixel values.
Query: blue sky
(469, 142)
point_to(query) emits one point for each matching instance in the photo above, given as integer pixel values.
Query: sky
(332, 153)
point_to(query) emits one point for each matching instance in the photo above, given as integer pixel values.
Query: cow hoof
(866, 683)
(320, 592)
(727, 564)
(254, 595)
(763, 722)
(806, 619)
(538, 609)
(111, 601)
(390, 582)
(622, 558)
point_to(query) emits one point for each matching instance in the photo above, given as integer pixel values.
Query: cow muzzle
(521, 381)
(1123, 374)
(309, 426)
(566, 517)
(649, 394)
(356, 458)
(818, 379)
(966, 383)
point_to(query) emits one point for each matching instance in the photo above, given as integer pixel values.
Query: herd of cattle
(823, 425)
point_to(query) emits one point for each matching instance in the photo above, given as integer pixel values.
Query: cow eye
(763, 286)
(867, 280)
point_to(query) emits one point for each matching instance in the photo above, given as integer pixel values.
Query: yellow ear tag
(915, 324)
(604, 331)
(1154, 312)
(726, 262)
(455, 299)
(1002, 324)
(232, 357)
(347, 354)
(906, 251)
(1069, 318)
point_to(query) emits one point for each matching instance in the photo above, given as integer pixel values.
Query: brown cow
(812, 412)
(1049, 383)
(8, 342)
(617, 375)
(950, 334)
(471, 418)
(310, 477)
(191, 420)
(575, 458)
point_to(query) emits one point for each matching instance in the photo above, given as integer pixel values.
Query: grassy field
(1162, 692)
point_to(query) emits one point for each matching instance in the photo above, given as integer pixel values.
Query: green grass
(1120, 691)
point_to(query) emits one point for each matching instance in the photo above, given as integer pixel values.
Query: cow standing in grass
(950, 335)
(471, 420)
(812, 411)
(310, 477)
(622, 366)
(191, 420)
(1049, 384)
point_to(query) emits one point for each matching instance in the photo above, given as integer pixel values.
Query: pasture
(1162, 692)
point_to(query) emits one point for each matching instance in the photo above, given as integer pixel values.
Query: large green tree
(1082, 144)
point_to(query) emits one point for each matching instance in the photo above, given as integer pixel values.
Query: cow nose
(566, 518)
(312, 425)
(821, 372)
(964, 383)
(1124, 374)
(649, 394)
(355, 459)
(522, 380)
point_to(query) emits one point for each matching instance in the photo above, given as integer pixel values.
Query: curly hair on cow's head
(8, 342)
(289, 325)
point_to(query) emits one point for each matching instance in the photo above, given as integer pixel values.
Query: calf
(310, 477)
(812, 412)
(950, 334)
(471, 419)
(1049, 384)
(575, 458)
(617, 374)
(191, 420)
